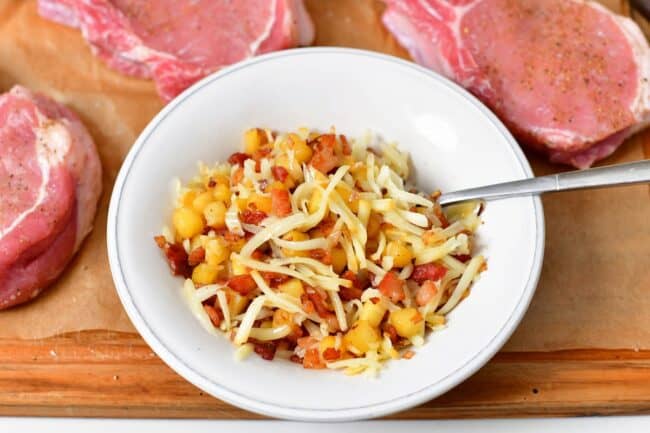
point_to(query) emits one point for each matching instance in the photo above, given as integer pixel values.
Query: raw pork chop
(566, 76)
(50, 181)
(177, 42)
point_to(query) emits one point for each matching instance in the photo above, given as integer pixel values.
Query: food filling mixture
(312, 247)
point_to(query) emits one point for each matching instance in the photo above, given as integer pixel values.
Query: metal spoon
(612, 175)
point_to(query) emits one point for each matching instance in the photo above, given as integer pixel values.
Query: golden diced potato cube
(253, 140)
(188, 198)
(187, 222)
(373, 313)
(221, 192)
(363, 211)
(241, 203)
(198, 241)
(281, 317)
(295, 172)
(222, 179)
(408, 322)
(400, 253)
(374, 224)
(295, 235)
(302, 151)
(339, 259)
(215, 214)
(237, 268)
(205, 274)
(261, 202)
(314, 201)
(237, 245)
(201, 201)
(362, 336)
(329, 342)
(216, 251)
(349, 198)
(236, 302)
(292, 287)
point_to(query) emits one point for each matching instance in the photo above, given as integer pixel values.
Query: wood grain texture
(108, 374)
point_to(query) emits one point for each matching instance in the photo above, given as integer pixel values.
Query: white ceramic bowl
(454, 141)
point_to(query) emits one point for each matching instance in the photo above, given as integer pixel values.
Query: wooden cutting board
(106, 374)
(578, 354)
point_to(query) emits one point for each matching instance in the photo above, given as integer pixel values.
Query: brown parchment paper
(595, 285)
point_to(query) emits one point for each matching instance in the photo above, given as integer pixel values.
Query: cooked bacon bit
(238, 158)
(325, 227)
(196, 256)
(273, 278)
(437, 210)
(429, 271)
(280, 202)
(349, 293)
(176, 257)
(331, 354)
(242, 284)
(392, 287)
(347, 150)
(259, 155)
(296, 333)
(307, 342)
(212, 183)
(160, 241)
(463, 257)
(426, 293)
(237, 176)
(318, 300)
(391, 332)
(324, 256)
(332, 322)
(231, 237)
(279, 173)
(360, 280)
(214, 315)
(265, 349)
(207, 229)
(324, 158)
(258, 255)
(312, 360)
(296, 359)
(263, 185)
(354, 292)
(375, 300)
(252, 216)
(307, 305)
(408, 354)
(314, 300)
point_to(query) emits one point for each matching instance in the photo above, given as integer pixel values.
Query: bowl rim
(239, 398)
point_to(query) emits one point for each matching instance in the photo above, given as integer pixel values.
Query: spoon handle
(612, 175)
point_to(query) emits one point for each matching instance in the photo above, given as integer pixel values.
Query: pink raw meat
(179, 42)
(50, 181)
(568, 77)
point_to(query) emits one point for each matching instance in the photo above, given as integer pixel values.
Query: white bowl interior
(454, 143)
